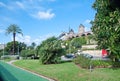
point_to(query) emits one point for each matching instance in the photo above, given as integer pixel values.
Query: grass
(7, 60)
(70, 72)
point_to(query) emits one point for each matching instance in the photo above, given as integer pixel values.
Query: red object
(104, 52)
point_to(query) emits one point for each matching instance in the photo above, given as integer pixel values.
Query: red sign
(104, 52)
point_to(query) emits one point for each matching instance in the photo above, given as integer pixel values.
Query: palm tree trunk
(14, 43)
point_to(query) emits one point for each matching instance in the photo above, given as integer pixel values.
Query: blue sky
(40, 19)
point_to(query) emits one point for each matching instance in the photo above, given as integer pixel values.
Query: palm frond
(13, 28)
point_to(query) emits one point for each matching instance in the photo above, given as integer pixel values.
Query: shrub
(12, 57)
(83, 61)
(101, 63)
(27, 54)
(50, 51)
(116, 64)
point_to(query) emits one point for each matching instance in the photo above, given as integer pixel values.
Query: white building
(2, 46)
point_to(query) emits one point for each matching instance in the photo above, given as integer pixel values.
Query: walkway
(11, 73)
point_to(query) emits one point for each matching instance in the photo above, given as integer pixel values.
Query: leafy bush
(12, 57)
(50, 51)
(83, 61)
(105, 64)
(101, 63)
(5, 53)
(27, 53)
(116, 64)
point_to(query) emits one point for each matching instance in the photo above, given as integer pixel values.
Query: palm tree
(13, 28)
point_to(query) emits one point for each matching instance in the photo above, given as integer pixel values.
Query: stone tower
(71, 31)
(81, 29)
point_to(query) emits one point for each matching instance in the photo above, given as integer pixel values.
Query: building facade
(72, 34)
(2, 46)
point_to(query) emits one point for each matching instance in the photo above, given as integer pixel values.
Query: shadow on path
(5, 75)
(1, 77)
(11, 73)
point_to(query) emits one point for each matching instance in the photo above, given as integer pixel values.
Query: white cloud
(8, 19)
(41, 0)
(44, 37)
(44, 14)
(1, 30)
(34, 8)
(52, 0)
(8, 6)
(28, 39)
(30, 0)
(21, 5)
(87, 24)
(87, 21)
(2, 4)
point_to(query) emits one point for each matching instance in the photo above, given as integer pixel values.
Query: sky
(41, 19)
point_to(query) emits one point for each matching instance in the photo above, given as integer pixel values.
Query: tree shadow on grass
(5, 75)
(115, 65)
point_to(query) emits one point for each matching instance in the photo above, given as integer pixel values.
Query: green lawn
(70, 72)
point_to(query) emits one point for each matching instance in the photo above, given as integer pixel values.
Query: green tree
(21, 46)
(106, 26)
(13, 28)
(66, 44)
(27, 53)
(77, 43)
(73, 45)
(1, 52)
(90, 38)
(50, 51)
(32, 46)
(18, 47)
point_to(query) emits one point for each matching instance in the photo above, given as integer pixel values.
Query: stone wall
(96, 53)
(89, 46)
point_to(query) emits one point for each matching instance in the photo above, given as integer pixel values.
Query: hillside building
(72, 34)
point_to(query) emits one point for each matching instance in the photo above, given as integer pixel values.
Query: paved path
(11, 73)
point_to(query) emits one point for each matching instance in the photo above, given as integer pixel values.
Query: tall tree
(33, 45)
(76, 44)
(13, 28)
(106, 25)
(18, 47)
